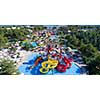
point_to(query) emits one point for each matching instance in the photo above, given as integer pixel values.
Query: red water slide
(63, 68)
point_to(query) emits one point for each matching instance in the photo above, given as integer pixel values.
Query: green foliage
(63, 30)
(27, 46)
(3, 41)
(7, 67)
(39, 27)
(94, 65)
(73, 28)
(13, 49)
(14, 34)
(88, 50)
(87, 40)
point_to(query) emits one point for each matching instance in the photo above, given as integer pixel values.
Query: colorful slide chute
(46, 65)
(55, 61)
(52, 64)
(36, 62)
(62, 67)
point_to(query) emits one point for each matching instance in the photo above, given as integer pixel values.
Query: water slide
(36, 62)
(62, 67)
(47, 65)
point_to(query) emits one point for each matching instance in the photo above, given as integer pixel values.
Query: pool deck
(25, 55)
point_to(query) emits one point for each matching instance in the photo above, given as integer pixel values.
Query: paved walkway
(25, 55)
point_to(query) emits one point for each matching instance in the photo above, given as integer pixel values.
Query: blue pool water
(74, 70)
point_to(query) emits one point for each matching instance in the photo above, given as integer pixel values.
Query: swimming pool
(74, 70)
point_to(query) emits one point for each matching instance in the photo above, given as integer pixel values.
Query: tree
(39, 27)
(27, 46)
(63, 30)
(7, 67)
(3, 41)
(73, 28)
(88, 42)
(88, 50)
(97, 61)
(94, 66)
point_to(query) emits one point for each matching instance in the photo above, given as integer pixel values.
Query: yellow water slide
(50, 64)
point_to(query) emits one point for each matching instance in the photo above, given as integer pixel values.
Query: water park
(48, 57)
(48, 50)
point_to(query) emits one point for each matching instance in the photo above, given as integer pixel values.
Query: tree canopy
(85, 38)
(7, 67)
